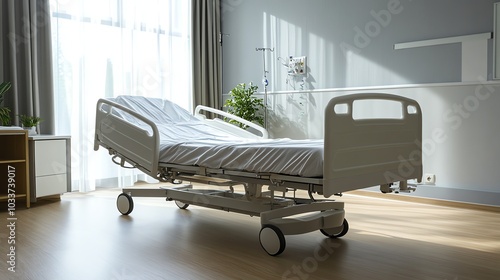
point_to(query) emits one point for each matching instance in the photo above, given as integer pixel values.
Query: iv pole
(265, 82)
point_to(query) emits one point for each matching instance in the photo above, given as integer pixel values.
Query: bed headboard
(362, 151)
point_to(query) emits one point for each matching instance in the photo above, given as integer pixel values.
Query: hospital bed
(280, 179)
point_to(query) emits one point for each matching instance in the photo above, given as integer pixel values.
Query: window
(105, 48)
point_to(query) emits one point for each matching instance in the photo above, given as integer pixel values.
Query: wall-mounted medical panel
(297, 66)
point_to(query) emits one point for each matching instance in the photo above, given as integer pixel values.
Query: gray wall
(325, 31)
(465, 163)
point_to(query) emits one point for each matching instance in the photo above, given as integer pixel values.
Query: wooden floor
(83, 236)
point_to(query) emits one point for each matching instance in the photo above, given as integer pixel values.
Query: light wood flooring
(83, 236)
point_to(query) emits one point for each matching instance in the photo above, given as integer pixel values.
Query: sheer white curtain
(105, 48)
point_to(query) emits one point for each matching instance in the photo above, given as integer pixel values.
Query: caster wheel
(272, 240)
(181, 205)
(124, 203)
(336, 231)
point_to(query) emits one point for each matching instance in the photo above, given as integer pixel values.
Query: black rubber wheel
(336, 231)
(272, 240)
(124, 203)
(181, 204)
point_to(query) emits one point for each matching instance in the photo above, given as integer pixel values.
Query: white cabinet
(50, 165)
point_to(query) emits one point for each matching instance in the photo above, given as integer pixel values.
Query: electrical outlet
(429, 179)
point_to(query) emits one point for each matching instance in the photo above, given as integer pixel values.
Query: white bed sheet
(186, 140)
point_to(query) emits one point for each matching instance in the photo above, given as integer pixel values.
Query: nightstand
(50, 165)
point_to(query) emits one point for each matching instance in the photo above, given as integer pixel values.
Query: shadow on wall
(301, 82)
(280, 126)
(292, 116)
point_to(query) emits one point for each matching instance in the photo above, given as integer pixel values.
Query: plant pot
(31, 130)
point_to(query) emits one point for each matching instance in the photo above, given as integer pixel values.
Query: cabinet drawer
(51, 185)
(50, 157)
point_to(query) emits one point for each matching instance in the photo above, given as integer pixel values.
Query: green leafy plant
(27, 121)
(244, 105)
(4, 111)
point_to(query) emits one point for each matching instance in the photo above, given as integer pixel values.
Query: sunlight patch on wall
(286, 39)
(321, 57)
(359, 68)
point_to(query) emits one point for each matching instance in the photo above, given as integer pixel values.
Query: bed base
(280, 215)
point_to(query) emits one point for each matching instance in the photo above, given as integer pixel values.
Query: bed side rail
(230, 128)
(374, 151)
(136, 145)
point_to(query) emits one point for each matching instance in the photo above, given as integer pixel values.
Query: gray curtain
(26, 60)
(206, 53)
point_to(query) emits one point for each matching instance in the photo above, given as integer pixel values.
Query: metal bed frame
(357, 154)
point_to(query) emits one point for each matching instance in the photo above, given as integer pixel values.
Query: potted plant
(30, 123)
(4, 111)
(244, 105)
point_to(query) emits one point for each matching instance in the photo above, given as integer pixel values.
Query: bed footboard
(364, 151)
(136, 145)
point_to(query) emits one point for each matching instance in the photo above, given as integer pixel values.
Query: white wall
(460, 131)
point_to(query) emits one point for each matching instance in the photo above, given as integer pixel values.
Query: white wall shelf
(443, 41)
(474, 52)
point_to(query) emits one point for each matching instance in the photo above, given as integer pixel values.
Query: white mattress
(186, 140)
